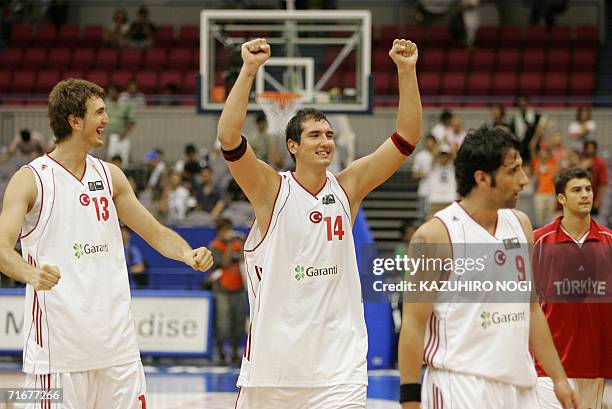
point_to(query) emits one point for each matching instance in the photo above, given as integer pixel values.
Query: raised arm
(365, 174)
(257, 179)
(166, 241)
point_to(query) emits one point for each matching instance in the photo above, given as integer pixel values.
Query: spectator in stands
(407, 230)
(582, 128)
(431, 12)
(218, 165)
(115, 34)
(121, 124)
(228, 288)
(599, 173)
(456, 134)
(558, 151)
(28, 144)
(142, 30)
(189, 166)
(545, 200)
(442, 184)
(261, 140)
(421, 168)
(498, 118)
(470, 10)
(525, 125)
(154, 188)
(170, 95)
(175, 200)
(344, 138)
(237, 208)
(133, 96)
(440, 129)
(546, 10)
(134, 260)
(209, 196)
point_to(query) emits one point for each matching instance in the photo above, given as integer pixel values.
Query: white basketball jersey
(84, 322)
(488, 339)
(307, 324)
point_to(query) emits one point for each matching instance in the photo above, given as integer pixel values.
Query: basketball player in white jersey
(477, 353)
(307, 340)
(65, 206)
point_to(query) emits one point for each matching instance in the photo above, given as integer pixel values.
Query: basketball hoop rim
(278, 96)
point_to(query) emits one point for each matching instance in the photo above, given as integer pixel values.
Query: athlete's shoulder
(546, 231)
(432, 231)
(604, 231)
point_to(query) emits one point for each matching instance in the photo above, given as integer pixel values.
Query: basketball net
(279, 108)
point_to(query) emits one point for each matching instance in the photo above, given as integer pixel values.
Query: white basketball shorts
(329, 397)
(594, 393)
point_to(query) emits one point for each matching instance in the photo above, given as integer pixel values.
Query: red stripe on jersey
(110, 188)
(426, 353)
(237, 397)
(66, 169)
(437, 324)
(40, 330)
(258, 271)
(42, 202)
(249, 353)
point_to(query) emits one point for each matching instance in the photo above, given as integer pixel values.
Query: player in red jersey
(573, 269)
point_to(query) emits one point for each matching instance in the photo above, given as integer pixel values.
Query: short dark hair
(294, 128)
(69, 97)
(590, 142)
(430, 136)
(580, 109)
(563, 178)
(223, 223)
(260, 117)
(112, 85)
(502, 109)
(483, 149)
(446, 115)
(190, 149)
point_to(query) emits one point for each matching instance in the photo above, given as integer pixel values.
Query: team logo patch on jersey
(328, 199)
(308, 273)
(81, 250)
(512, 243)
(316, 217)
(502, 319)
(97, 185)
(500, 257)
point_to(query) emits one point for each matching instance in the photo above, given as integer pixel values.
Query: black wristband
(236, 153)
(410, 392)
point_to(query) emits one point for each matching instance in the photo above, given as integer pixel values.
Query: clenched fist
(255, 53)
(404, 54)
(199, 259)
(44, 278)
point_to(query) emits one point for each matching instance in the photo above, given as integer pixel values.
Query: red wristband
(405, 147)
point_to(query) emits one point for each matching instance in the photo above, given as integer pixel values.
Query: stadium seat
(23, 82)
(458, 59)
(388, 34)
(433, 59)
(190, 82)
(46, 35)
(381, 60)
(530, 83)
(68, 35)
(416, 34)
(21, 35)
(59, 58)
(180, 58)
(584, 60)
(92, 36)
(34, 58)
(586, 36)
(99, 77)
(505, 83)
(555, 84)
(121, 78)
(171, 77)
(510, 36)
(438, 36)
(147, 82)
(429, 83)
(536, 37)
(558, 60)
(486, 36)
(11, 57)
(73, 74)
(560, 36)
(164, 36)
(479, 83)
(508, 59)
(534, 59)
(382, 81)
(131, 59)
(196, 58)
(155, 59)
(454, 83)
(106, 59)
(83, 58)
(5, 80)
(582, 84)
(483, 60)
(188, 36)
(46, 81)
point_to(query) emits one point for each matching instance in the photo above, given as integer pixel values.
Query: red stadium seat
(68, 35)
(388, 34)
(83, 58)
(508, 60)
(121, 78)
(188, 36)
(180, 58)
(479, 83)
(131, 59)
(382, 81)
(190, 82)
(416, 34)
(6, 77)
(171, 77)
(510, 36)
(486, 36)
(458, 59)
(584, 60)
(433, 59)
(46, 35)
(555, 84)
(164, 36)
(505, 83)
(21, 35)
(483, 60)
(381, 60)
(92, 36)
(429, 83)
(534, 59)
(530, 83)
(155, 59)
(147, 82)
(99, 77)
(11, 57)
(586, 36)
(558, 60)
(438, 36)
(107, 59)
(59, 58)
(34, 58)
(46, 81)
(454, 83)
(560, 36)
(77, 74)
(582, 84)
(536, 37)
(23, 82)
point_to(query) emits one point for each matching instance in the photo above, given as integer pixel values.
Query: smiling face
(578, 197)
(93, 123)
(316, 147)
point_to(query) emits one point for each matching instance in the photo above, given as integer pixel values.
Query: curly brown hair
(69, 97)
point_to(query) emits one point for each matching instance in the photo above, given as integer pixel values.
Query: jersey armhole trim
(280, 185)
(42, 202)
(110, 187)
